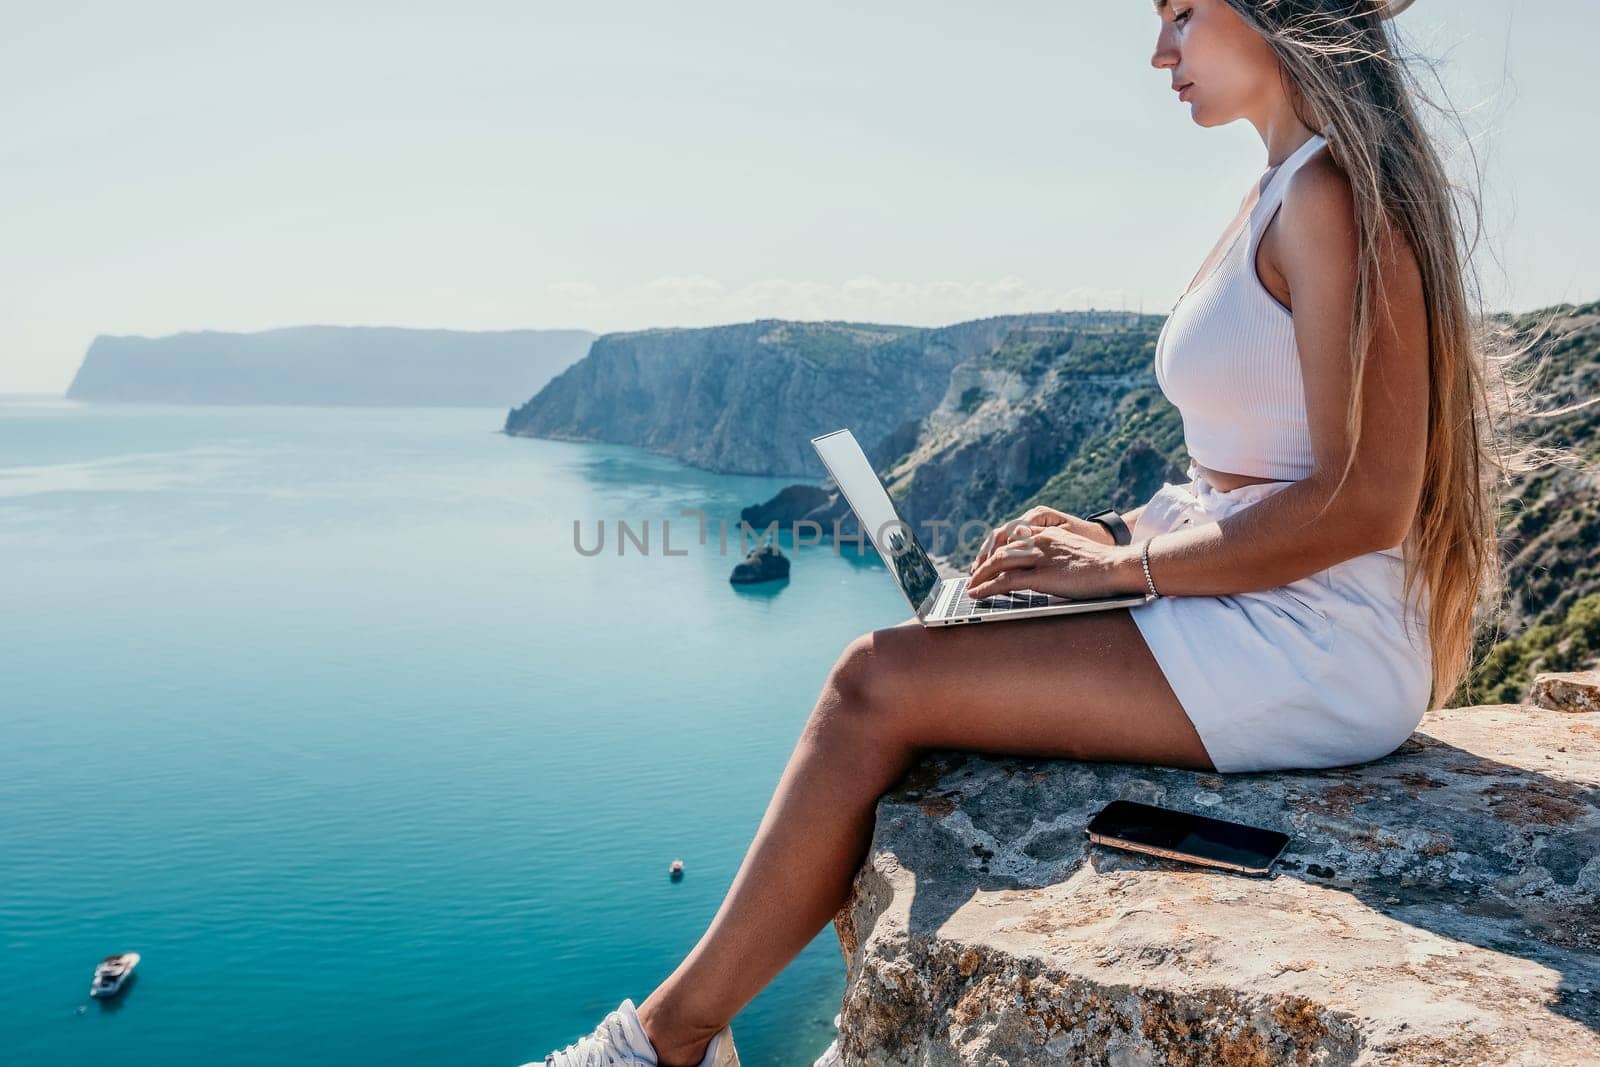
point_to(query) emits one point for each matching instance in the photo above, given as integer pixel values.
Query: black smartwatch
(1120, 534)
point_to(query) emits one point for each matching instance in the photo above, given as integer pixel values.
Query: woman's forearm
(1273, 542)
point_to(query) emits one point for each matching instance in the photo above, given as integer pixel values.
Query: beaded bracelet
(1144, 558)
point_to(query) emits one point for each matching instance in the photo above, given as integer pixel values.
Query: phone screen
(1206, 840)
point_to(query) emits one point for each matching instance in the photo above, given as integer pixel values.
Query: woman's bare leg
(1076, 686)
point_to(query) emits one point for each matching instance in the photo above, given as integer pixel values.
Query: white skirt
(1317, 673)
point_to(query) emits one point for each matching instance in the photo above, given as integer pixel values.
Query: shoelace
(591, 1051)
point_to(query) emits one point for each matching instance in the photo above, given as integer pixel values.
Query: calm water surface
(320, 710)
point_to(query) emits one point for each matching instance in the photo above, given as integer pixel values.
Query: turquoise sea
(321, 712)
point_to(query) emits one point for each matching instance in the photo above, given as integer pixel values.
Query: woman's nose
(1165, 55)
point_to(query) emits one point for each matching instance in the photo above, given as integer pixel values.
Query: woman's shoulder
(1318, 219)
(1310, 241)
(1319, 204)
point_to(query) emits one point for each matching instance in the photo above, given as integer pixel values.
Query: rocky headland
(748, 398)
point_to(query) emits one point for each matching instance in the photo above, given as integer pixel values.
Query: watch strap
(1120, 534)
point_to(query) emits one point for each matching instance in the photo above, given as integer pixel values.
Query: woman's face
(1224, 69)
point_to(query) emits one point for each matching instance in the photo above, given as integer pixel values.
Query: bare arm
(1281, 538)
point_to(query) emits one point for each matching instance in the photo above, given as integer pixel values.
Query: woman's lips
(1183, 90)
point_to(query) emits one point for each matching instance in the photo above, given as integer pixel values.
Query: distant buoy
(676, 870)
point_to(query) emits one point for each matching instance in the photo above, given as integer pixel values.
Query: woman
(1316, 577)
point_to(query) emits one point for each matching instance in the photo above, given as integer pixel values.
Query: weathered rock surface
(1573, 691)
(1438, 906)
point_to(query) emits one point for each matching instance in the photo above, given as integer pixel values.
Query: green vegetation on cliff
(1550, 517)
(1021, 413)
(1508, 667)
(1124, 465)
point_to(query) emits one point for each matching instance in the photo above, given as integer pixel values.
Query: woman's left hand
(1054, 560)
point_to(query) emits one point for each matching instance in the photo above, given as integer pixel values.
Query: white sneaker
(831, 1056)
(620, 1039)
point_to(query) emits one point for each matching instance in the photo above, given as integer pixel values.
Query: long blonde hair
(1342, 67)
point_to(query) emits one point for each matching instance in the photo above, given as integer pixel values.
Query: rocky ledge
(1438, 906)
(1575, 691)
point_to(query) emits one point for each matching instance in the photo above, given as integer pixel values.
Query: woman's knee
(864, 695)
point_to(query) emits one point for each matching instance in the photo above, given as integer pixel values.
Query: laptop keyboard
(989, 605)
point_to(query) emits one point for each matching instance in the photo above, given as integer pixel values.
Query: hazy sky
(617, 165)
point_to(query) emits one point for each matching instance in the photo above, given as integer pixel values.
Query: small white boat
(676, 870)
(113, 973)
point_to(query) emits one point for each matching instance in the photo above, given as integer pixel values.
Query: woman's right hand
(998, 537)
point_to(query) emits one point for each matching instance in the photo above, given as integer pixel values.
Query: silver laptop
(937, 601)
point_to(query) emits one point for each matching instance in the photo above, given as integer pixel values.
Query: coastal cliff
(332, 365)
(748, 398)
(1074, 412)
(1437, 906)
(1551, 517)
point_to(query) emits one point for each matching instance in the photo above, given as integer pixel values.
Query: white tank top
(1227, 359)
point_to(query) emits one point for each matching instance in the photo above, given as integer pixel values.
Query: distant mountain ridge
(333, 365)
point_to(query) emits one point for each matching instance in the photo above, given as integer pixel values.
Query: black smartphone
(1183, 835)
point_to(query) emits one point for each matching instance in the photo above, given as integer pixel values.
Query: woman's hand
(1056, 560)
(1039, 517)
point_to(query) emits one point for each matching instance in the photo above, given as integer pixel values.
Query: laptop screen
(894, 538)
